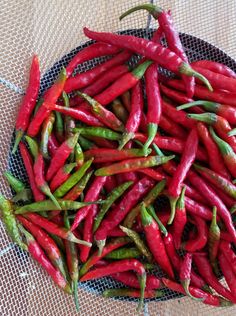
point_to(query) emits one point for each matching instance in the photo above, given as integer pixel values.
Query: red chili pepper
(195, 208)
(180, 220)
(176, 96)
(230, 255)
(84, 79)
(101, 83)
(52, 145)
(225, 236)
(126, 100)
(128, 176)
(156, 175)
(171, 128)
(131, 293)
(28, 163)
(155, 242)
(215, 67)
(38, 254)
(216, 164)
(193, 194)
(116, 232)
(91, 195)
(110, 184)
(227, 152)
(204, 268)
(202, 236)
(90, 52)
(28, 102)
(77, 189)
(207, 298)
(214, 200)
(61, 156)
(187, 158)
(116, 215)
(228, 273)
(102, 142)
(61, 176)
(50, 97)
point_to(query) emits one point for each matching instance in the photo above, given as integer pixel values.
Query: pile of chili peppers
(92, 149)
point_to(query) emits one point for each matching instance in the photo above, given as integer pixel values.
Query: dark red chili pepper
(128, 176)
(61, 176)
(180, 219)
(126, 100)
(101, 83)
(120, 266)
(228, 273)
(155, 242)
(176, 96)
(116, 232)
(216, 164)
(214, 240)
(50, 97)
(171, 128)
(84, 79)
(117, 214)
(207, 298)
(52, 145)
(229, 253)
(61, 156)
(215, 67)
(28, 163)
(110, 184)
(28, 102)
(38, 254)
(131, 293)
(156, 175)
(120, 111)
(187, 158)
(193, 194)
(227, 152)
(91, 195)
(204, 268)
(195, 208)
(225, 236)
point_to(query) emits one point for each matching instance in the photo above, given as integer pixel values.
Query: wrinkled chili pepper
(228, 273)
(77, 190)
(123, 253)
(229, 253)
(61, 176)
(215, 67)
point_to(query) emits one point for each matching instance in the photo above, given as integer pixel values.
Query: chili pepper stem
(151, 8)
(126, 137)
(152, 212)
(173, 201)
(19, 135)
(75, 292)
(152, 130)
(142, 281)
(207, 289)
(45, 189)
(100, 244)
(185, 285)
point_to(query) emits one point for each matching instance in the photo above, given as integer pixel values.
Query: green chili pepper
(38, 104)
(112, 197)
(152, 212)
(59, 127)
(79, 155)
(78, 189)
(45, 134)
(98, 132)
(138, 242)
(72, 180)
(85, 143)
(58, 241)
(33, 146)
(10, 222)
(124, 253)
(14, 183)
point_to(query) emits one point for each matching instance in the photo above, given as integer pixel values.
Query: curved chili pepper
(69, 122)
(73, 179)
(229, 253)
(156, 175)
(228, 273)
(33, 146)
(77, 190)
(45, 134)
(131, 293)
(132, 165)
(130, 279)
(110, 184)
(206, 298)
(52, 144)
(61, 156)
(86, 78)
(79, 156)
(28, 102)
(91, 195)
(86, 144)
(214, 240)
(227, 152)
(38, 255)
(98, 132)
(215, 67)
(61, 176)
(187, 158)
(117, 214)
(123, 253)
(176, 96)
(216, 164)
(120, 111)
(163, 56)
(171, 128)
(9, 220)
(120, 266)
(115, 194)
(204, 268)
(195, 208)
(152, 212)
(155, 241)
(14, 183)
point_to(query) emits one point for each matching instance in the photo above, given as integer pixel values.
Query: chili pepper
(37, 106)
(123, 253)
(98, 131)
(116, 232)
(57, 218)
(229, 253)
(112, 245)
(50, 96)
(136, 108)
(132, 165)
(72, 180)
(102, 142)
(115, 194)
(120, 266)
(207, 298)
(86, 78)
(110, 184)
(214, 200)
(79, 156)
(202, 93)
(40, 181)
(194, 194)
(28, 163)
(28, 102)
(59, 130)
(117, 214)
(61, 156)
(228, 273)
(90, 52)
(227, 152)
(215, 67)
(45, 134)
(175, 95)
(152, 174)
(187, 158)
(91, 195)
(131, 293)
(85, 143)
(15, 183)
(152, 212)
(141, 246)
(216, 164)
(195, 208)
(204, 268)
(61, 176)
(52, 145)
(180, 219)
(163, 56)
(126, 100)
(76, 191)
(33, 146)
(52, 228)
(171, 128)
(120, 111)
(38, 255)
(155, 242)
(214, 240)
(9, 220)
(130, 279)
(225, 236)
(147, 200)
(69, 123)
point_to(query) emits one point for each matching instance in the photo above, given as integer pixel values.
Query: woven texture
(53, 29)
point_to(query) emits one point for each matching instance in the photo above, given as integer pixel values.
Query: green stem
(19, 135)
(152, 130)
(152, 212)
(209, 118)
(126, 137)
(185, 285)
(142, 282)
(208, 105)
(151, 8)
(139, 71)
(76, 297)
(224, 147)
(232, 132)
(173, 201)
